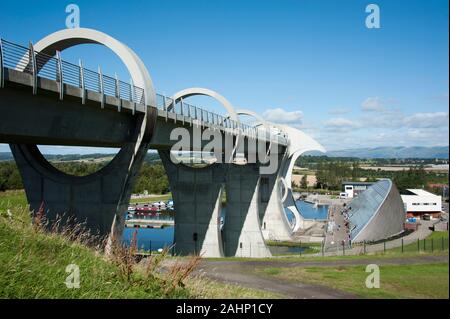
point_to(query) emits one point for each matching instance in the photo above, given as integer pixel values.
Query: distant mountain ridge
(392, 152)
(441, 152)
(150, 157)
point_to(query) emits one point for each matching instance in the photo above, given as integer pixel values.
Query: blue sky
(312, 64)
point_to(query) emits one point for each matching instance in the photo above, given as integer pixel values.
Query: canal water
(155, 238)
(308, 210)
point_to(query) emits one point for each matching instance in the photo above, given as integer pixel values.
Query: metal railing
(204, 117)
(25, 59)
(41, 65)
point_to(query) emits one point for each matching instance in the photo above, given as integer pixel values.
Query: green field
(152, 198)
(396, 281)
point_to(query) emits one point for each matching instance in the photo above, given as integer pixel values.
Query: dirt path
(242, 273)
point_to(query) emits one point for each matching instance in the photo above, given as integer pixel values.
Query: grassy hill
(33, 265)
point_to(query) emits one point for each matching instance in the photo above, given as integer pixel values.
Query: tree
(304, 182)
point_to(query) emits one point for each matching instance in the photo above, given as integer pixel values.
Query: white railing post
(100, 83)
(119, 105)
(182, 113)
(2, 72)
(32, 59)
(164, 102)
(181, 106)
(83, 90)
(60, 75)
(165, 105)
(132, 95)
(131, 90)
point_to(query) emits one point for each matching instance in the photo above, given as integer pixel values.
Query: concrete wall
(275, 225)
(242, 231)
(197, 201)
(97, 199)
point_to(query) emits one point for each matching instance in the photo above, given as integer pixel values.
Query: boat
(159, 204)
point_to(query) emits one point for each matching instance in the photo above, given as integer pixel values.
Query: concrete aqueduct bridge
(60, 103)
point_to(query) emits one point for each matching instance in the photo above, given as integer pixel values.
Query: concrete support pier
(275, 224)
(99, 200)
(196, 194)
(242, 231)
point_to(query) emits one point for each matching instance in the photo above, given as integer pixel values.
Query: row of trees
(330, 175)
(9, 176)
(152, 177)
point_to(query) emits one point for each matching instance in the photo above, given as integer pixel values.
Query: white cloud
(373, 104)
(339, 110)
(279, 115)
(427, 120)
(341, 123)
(386, 128)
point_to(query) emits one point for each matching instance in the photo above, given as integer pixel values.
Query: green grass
(12, 199)
(33, 264)
(436, 241)
(18, 198)
(396, 281)
(292, 244)
(309, 248)
(152, 198)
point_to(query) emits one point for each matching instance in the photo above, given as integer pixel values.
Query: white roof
(421, 193)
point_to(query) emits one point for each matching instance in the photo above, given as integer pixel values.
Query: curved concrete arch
(63, 39)
(253, 114)
(111, 186)
(205, 92)
(299, 143)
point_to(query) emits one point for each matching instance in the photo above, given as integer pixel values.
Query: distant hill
(441, 152)
(151, 157)
(391, 152)
(5, 156)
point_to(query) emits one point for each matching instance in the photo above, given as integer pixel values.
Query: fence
(399, 245)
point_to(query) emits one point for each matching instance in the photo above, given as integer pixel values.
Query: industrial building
(420, 203)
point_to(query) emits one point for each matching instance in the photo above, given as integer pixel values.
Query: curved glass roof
(366, 205)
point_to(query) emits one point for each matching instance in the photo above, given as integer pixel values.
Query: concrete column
(275, 225)
(96, 200)
(289, 202)
(196, 194)
(242, 232)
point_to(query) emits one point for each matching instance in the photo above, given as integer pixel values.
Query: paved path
(242, 273)
(422, 232)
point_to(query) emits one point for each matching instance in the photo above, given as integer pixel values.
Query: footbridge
(45, 100)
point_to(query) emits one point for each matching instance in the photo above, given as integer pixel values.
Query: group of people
(345, 214)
